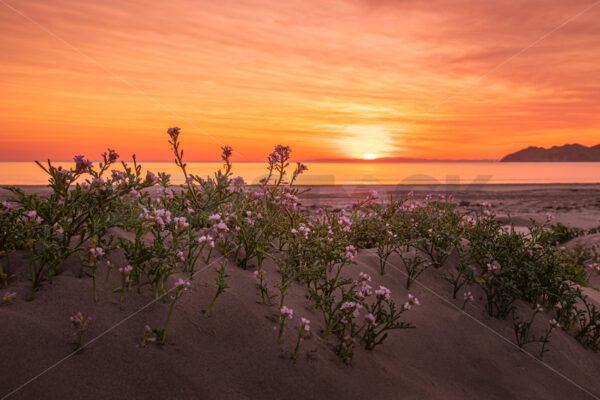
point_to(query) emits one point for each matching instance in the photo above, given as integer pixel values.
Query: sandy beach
(233, 354)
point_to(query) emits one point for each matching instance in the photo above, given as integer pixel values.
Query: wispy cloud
(256, 73)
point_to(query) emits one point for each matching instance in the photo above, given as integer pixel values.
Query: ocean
(373, 173)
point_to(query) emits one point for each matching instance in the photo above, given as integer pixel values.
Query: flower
(82, 165)
(110, 157)
(151, 178)
(33, 217)
(539, 308)
(493, 266)
(182, 285)
(78, 321)
(174, 132)
(305, 324)
(383, 292)
(370, 319)
(97, 251)
(300, 168)
(281, 154)
(227, 151)
(9, 297)
(238, 181)
(554, 323)
(364, 276)
(413, 299)
(286, 313)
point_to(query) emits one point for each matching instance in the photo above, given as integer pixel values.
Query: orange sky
(333, 79)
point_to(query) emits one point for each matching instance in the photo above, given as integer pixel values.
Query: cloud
(282, 71)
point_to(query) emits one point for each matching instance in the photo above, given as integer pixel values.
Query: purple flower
(151, 178)
(174, 133)
(227, 151)
(118, 175)
(110, 157)
(82, 165)
(281, 154)
(238, 181)
(300, 168)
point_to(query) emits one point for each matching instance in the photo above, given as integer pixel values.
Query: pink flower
(182, 285)
(286, 313)
(383, 292)
(305, 324)
(413, 300)
(370, 319)
(364, 276)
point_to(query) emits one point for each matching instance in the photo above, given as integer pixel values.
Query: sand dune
(234, 354)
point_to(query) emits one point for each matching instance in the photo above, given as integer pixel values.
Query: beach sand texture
(234, 353)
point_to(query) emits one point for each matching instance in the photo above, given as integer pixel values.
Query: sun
(366, 142)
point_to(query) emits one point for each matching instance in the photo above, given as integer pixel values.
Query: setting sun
(369, 156)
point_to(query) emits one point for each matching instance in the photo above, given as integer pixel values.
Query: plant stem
(163, 335)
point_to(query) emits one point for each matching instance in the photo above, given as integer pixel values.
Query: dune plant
(149, 336)
(588, 321)
(95, 255)
(80, 324)
(438, 223)
(467, 298)
(303, 332)
(461, 273)
(82, 205)
(382, 316)
(180, 287)
(523, 332)
(126, 281)
(285, 314)
(11, 239)
(9, 297)
(221, 286)
(261, 282)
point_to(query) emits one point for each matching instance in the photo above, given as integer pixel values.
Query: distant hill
(568, 152)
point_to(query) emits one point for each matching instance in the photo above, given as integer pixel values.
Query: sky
(444, 79)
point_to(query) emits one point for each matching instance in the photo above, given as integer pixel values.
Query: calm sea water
(320, 173)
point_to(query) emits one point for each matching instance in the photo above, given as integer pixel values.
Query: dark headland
(566, 153)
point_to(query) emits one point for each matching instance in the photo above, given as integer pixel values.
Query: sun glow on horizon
(367, 142)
